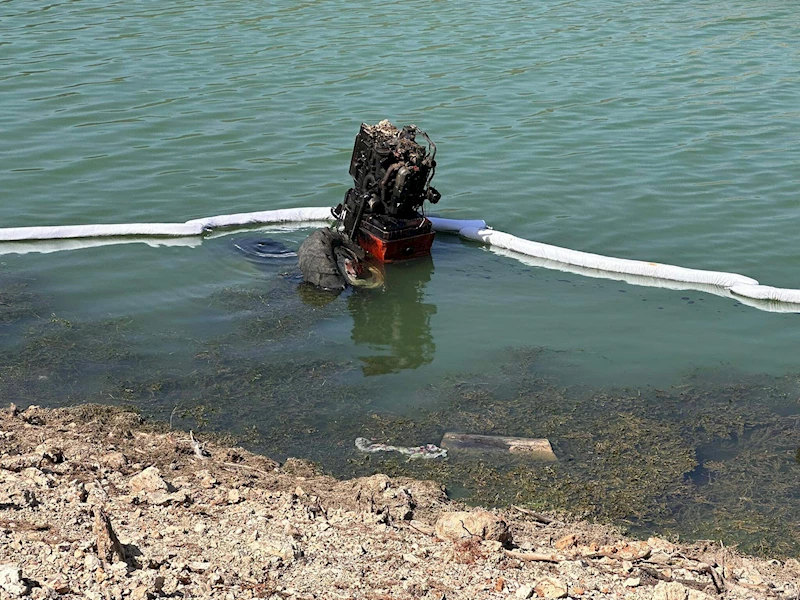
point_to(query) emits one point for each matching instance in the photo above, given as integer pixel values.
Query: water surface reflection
(394, 322)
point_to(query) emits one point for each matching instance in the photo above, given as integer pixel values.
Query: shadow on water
(714, 456)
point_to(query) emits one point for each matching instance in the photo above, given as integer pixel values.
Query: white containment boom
(21, 240)
(188, 228)
(603, 263)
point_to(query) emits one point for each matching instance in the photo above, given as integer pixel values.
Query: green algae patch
(271, 381)
(278, 311)
(17, 302)
(707, 459)
(58, 362)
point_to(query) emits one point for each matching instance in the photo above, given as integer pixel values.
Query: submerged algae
(627, 456)
(274, 312)
(17, 302)
(712, 457)
(61, 362)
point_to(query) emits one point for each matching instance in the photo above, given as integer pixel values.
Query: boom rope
(734, 285)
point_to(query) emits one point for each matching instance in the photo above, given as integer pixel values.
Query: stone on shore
(11, 580)
(550, 587)
(108, 546)
(673, 590)
(524, 592)
(149, 480)
(455, 526)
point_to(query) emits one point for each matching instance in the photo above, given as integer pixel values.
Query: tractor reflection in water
(395, 319)
(392, 319)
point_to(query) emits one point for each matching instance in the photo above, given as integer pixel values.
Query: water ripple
(663, 131)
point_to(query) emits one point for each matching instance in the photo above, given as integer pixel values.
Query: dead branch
(199, 451)
(420, 527)
(534, 515)
(249, 468)
(534, 557)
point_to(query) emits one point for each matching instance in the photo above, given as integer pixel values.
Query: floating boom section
(193, 227)
(603, 263)
(18, 240)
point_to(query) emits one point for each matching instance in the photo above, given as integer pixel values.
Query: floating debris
(427, 451)
(536, 448)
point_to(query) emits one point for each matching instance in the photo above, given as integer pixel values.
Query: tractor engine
(391, 181)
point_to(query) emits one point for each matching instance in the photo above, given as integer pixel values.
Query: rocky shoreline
(97, 503)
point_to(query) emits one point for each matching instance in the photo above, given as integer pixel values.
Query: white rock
(550, 587)
(43, 593)
(632, 582)
(492, 546)
(199, 567)
(11, 580)
(149, 480)
(163, 499)
(60, 585)
(36, 476)
(285, 549)
(91, 562)
(670, 590)
(524, 591)
(119, 567)
(456, 526)
(627, 566)
(750, 575)
(660, 544)
(114, 460)
(140, 593)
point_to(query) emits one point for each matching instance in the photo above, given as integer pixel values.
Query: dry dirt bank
(96, 503)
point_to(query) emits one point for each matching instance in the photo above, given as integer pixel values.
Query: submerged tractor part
(391, 181)
(380, 218)
(330, 261)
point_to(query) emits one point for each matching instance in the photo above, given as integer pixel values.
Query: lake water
(665, 132)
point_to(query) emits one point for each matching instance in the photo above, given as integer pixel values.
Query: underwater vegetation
(704, 460)
(16, 301)
(714, 456)
(49, 360)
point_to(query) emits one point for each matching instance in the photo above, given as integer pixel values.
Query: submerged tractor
(380, 218)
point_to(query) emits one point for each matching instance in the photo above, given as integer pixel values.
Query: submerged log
(534, 448)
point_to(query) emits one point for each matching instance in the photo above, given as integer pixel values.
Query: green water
(662, 131)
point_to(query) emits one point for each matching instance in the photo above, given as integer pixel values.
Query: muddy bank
(97, 503)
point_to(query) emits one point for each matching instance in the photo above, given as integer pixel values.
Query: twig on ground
(249, 468)
(716, 578)
(199, 451)
(534, 515)
(654, 573)
(421, 527)
(534, 557)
